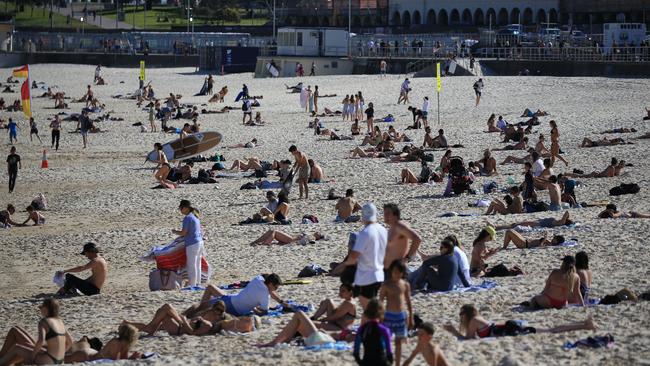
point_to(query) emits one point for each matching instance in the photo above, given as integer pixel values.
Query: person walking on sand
(301, 167)
(84, 126)
(555, 143)
(425, 112)
(478, 89)
(12, 127)
(55, 125)
(33, 130)
(13, 164)
(312, 72)
(93, 284)
(193, 237)
(399, 311)
(368, 255)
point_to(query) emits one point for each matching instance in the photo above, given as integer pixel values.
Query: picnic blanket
(172, 257)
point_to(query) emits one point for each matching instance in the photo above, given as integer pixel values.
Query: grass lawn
(40, 17)
(161, 18)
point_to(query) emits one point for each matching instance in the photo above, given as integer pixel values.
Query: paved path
(99, 21)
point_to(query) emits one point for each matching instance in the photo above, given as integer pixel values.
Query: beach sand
(103, 194)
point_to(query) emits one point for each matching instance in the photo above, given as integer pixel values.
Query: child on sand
(430, 351)
(397, 293)
(34, 216)
(375, 338)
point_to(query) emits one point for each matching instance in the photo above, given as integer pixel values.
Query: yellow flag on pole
(142, 70)
(438, 84)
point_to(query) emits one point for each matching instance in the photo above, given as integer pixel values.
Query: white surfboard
(452, 67)
(272, 70)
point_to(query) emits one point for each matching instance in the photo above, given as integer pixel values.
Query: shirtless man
(346, 207)
(316, 172)
(302, 169)
(93, 284)
(609, 172)
(430, 351)
(487, 165)
(399, 236)
(554, 193)
(89, 96)
(440, 140)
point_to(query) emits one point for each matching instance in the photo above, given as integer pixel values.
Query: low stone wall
(566, 68)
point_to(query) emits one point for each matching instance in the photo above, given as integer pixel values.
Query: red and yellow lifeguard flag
(26, 98)
(22, 72)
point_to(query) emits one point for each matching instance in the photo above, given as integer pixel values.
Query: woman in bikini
(117, 348)
(281, 238)
(168, 319)
(473, 325)
(336, 317)
(548, 222)
(163, 168)
(53, 340)
(492, 124)
(562, 287)
(555, 143)
(522, 243)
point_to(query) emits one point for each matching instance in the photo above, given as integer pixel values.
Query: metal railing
(581, 54)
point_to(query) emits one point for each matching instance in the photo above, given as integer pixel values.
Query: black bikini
(51, 333)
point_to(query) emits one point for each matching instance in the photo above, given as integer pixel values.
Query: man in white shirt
(538, 164)
(425, 111)
(404, 91)
(368, 255)
(502, 123)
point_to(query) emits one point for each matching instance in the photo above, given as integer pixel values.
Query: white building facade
(479, 13)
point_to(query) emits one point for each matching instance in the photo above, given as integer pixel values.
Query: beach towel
(528, 229)
(292, 308)
(388, 118)
(591, 342)
(522, 308)
(172, 257)
(337, 346)
(461, 214)
(485, 285)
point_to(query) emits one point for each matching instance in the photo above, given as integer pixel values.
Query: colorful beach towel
(172, 257)
(337, 346)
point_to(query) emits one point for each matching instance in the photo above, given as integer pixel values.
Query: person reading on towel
(254, 298)
(91, 285)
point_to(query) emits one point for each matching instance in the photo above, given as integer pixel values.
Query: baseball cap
(369, 212)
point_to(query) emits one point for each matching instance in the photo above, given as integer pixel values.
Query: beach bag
(625, 188)
(163, 280)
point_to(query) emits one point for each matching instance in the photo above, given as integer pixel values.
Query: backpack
(625, 188)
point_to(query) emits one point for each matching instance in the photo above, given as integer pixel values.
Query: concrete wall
(471, 12)
(566, 68)
(120, 60)
(287, 64)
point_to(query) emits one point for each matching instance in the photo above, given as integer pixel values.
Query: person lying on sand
(168, 319)
(515, 160)
(346, 207)
(249, 145)
(511, 236)
(430, 351)
(586, 142)
(562, 288)
(53, 339)
(620, 130)
(118, 348)
(93, 284)
(326, 113)
(529, 113)
(336, 137)
(339, 317)
(548, 222)
(521, 145)
(300, 323)
(426, 175)
(473, 326)
(254, 163)
(225, 109)
(36, 217)
(357, 152)
(254, 298)
(613, 169)
(645, 136)
(611, 212)
(280, 237)
(294, 89)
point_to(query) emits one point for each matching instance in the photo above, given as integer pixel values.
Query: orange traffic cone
(44, 163)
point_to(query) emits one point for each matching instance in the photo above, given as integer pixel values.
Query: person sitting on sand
(5, 217)
(562, 287)
(34, 216)
(473, 326)
(620, 130)
(354, 128)
(316, 172)
(586, 142)
(59, 102)
(548, 222)
(439, 141)
(100, 81)
(431, 352)
(585, 274)
(426, 175)
(541, 180)
(488, 164)
(254, 298)
(480, 252)
(428, 139)
(163, 168)
(48, 94)
(438, 272)
(346, 207)
(375, 138)
(541, 148)
(514, 204)
(612, 170)
(300, 323)
(280, 237)
(339, 317)
(521, 145)
(611, 212)
(647, 110)
(522, 243)
(93, 284)
(53, 340)
(492, 124)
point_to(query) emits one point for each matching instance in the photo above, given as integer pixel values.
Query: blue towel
(592, 342)
(279, 310)
(460, 214)
(338, 346)
(485, 285)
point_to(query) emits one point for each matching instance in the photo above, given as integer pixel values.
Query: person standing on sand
(312, 72)
(370, 115)
(93, 284)
(301, 167)
(478, 89)
(84, 126)
(316, 99)
(193, 236)
(555, 143)
(13, 164)
(152, 117)
(368, 255)
(55, 125)
(383, 66)
(399, 311)
(33, 130)
(403, 242)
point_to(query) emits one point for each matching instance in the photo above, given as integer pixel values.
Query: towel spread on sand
(337, 346)
(483, 286)
(592, 342)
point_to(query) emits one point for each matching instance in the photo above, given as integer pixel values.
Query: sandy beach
(103, 194)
